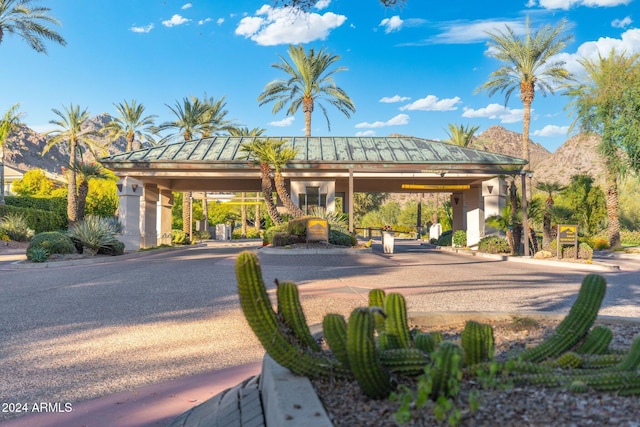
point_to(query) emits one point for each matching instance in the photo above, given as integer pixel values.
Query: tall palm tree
(596, 101)
(550, 188)
(310, 81)
(461, 135)
(70, 132)
(528, 65)
(131, 124)
(256, 150)
(85, 172)
(19, 18)
(8, 124)
(214, 118)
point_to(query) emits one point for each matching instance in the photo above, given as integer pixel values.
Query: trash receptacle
(387, 242)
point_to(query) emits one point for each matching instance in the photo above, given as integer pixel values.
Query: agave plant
(94, 233)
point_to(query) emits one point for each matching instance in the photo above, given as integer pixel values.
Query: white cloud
(273, 26)
(322, 4)
(394, 98)
(552, 130)
(204, 21)
(400, 119)
(391, 24)
(220, 21)
(287, 121)
(621, 23)
(465, 32)
(567, 4)
(145, 29)
(175, 20)
(495, 111)
(629, 42)
(432, 103)
(186, 6)
(366, 133)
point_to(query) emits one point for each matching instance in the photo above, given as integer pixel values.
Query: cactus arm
(376, 299)
(396, 323)
(408, 361)
(597, 342)
(446, 369)
(632, 361)
(363, 358)
(291, 310)
(335, 333)
(577, 323)
(477, 343)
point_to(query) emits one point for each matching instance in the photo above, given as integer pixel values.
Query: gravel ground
(514, 406)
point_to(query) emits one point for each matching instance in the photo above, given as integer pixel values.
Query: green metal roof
(331, 151)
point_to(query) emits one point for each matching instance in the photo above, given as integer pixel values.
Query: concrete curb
(598, 266)
(314, 251)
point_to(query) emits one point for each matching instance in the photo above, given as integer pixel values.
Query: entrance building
(324, 169)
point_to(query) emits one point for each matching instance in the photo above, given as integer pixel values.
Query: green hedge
(56, 206)
(37, 220)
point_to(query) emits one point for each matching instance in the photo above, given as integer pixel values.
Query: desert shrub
(460, 238)
(280, 239)
(445, 238)
(37, 254)
(252, 233)
(298, 226)
(117, 248)
(270, 232)
(179, 237)
(585, 251)
(630, 238)
(201, 235)
(337, 220)
(54, 242)
(569, 252)
(43, 213)
(598, 242)
(94, 233)
(15, 226)
(494, 245)
(341, 238)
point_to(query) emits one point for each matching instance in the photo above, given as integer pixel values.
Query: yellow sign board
(317, 230)
(567, 234)
(433, 187)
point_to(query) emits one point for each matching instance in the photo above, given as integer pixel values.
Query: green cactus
(570, 360)
(446, 370)
(335, 333)
(427, 341)
(577, 387)
(408, 361)
(376, 299)
(601, 361)
(262, 319)
(396, 325)
(632, 361)
(290, 309)
(577, 323)
(477, 343)
(364, 361)
(597, 342)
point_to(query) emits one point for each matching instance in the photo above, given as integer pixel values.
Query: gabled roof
(322, 152)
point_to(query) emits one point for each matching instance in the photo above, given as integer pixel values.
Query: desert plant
(94, 233)
(341, 238)
(54, 242)
(585, 251)
(494, 245)
(15, 226)
(337, 220)
(629, 238)
(445, 238)
(179, 237)
(37, 254)
(460, 238)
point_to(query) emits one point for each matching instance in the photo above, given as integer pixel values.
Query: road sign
(567, 234)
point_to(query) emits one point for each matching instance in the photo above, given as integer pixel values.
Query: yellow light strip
(435, 187)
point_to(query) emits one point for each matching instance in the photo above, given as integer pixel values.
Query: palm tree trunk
(307, 109)
(613, 219)
(267, 192)
(525, 142)
(83, 191)
(1, 175)
(243, 217)
(258, 218)
(72, 200)
(186, 213)
(281, 189)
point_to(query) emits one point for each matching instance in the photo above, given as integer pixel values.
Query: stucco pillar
(475, 216)
(459, 213)
(164, 215)
(149, 216)
(129, 191)
(494, 192)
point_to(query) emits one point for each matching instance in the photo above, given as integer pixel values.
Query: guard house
(325, 168)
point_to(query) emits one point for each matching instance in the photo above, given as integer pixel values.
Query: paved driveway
(78, 332)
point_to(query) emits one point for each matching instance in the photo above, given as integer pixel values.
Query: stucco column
(129, 191)
(494, 192)
(149, 216)
(164, 214)
(475, 216)
(459, 213)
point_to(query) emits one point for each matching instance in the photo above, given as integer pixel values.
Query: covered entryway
(328, 166)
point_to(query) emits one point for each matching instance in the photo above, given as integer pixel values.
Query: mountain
(24, 148)
(500, 140)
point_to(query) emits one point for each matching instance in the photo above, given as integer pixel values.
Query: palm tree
(550, 188)
(70, 133)
(598, 105)
(8, 124)
(461, 135)
(527, 68)
(17, 17)
(215, 116)
(85, 172)
(131, 124)
(277, 154)
(256, 150)
(310, 80)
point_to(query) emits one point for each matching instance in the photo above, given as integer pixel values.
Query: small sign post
(567, 235)
(317, 230)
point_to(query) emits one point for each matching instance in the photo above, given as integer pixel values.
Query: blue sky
(411, 70)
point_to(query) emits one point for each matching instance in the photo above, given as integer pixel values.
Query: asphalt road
(72, 333)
